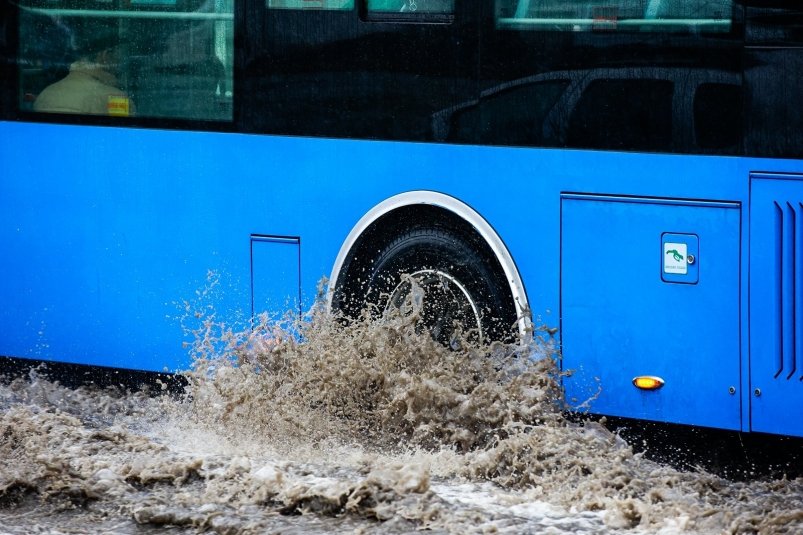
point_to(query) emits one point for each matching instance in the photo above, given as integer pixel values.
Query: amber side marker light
(648, 382)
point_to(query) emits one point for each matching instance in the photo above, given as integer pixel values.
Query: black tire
(464, 287)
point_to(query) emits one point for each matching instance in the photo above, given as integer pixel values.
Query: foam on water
(370, 427)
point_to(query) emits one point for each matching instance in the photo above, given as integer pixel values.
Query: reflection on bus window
(623, 114)
(616, 15)
(338, 5)
(718, 121)
(150, 58)
(411, 6)
(511, 114)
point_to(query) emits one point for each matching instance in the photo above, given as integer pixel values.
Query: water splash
(324, 425)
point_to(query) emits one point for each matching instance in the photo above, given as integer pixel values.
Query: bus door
(359, 68)
(776, 303)
(774, 80)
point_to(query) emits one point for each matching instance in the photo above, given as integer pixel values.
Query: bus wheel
(448, 280)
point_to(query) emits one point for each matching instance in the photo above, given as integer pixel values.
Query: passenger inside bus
(91, 87)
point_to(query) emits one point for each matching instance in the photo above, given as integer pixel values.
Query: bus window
(512, 114)
(616, 15)
(342, 5)
(147, 58)
(718, 117)
(623, 115)
(439, 7)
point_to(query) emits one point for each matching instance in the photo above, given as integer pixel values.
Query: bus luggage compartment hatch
(650, 287)
(275, 275)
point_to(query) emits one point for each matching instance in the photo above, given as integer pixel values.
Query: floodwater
(365, 428)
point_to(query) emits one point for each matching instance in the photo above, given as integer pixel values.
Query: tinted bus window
(513, 114)
(616, 15)
(147, 58)
(623, 115)
(310, 4)
(718, 116)
(411, 6)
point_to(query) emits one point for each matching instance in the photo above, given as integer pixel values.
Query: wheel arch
(400, 211)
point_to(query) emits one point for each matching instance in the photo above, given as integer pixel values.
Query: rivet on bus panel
(648, 382)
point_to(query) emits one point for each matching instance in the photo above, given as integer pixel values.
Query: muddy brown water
(365, 428)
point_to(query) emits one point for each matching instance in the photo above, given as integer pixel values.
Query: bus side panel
(112, 240)
(650, 287)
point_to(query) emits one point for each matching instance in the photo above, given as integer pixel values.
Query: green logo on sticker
(675, 254)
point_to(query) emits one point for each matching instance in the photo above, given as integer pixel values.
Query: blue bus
(628, 173)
